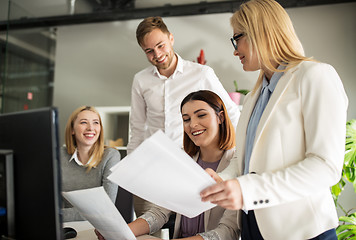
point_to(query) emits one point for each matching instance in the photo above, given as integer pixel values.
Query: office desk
(85, 231)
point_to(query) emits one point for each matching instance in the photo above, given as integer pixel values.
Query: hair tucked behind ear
(270, 32)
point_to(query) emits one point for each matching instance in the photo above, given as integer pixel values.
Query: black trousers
(250, 230)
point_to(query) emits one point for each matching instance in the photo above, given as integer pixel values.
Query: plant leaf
(243, 91)
(346, 227)
(337, 189)
(349, 166)
(236, 87)
(345, 233)
(350, 219)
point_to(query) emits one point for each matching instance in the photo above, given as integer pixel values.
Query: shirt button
(266, 201)
(255, 202)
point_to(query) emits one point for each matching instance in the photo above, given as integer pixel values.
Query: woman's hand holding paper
(226, 194)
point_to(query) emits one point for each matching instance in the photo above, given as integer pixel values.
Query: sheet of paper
(162, 173)
(95, 206)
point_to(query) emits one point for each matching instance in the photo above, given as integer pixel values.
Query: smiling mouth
(89, 135)
(161, 60)
(198, 132)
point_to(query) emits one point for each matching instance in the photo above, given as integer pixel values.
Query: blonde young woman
(290, 135)
(85, 161)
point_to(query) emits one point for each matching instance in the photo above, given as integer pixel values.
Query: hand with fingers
(226, 194)
(214, 175)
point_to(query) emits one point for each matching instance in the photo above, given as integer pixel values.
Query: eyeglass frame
(235, 39)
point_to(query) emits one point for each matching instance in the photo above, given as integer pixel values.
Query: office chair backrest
(124, 203)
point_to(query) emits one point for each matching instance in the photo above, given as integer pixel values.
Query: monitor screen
(33, 138)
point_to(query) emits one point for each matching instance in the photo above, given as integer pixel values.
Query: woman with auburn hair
(226, 129)
(209, 138)
(85, 161)
(290, 135)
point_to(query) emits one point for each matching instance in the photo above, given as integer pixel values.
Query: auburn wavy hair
(226, 129)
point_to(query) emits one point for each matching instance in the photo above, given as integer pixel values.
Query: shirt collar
(271, 85)
(179, 68)
(76, 159)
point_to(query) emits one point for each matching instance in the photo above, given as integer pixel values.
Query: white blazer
(297, 155)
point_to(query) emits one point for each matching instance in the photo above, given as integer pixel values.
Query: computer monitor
(32, 136)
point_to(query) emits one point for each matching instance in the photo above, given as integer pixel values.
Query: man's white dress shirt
(156, 99)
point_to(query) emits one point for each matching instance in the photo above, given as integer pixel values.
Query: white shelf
(115, 121)
(121, 148)
(114, 110)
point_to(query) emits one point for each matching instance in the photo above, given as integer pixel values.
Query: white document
(95, 206)
(162, 173)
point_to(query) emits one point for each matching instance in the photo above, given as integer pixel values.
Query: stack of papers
(162, 173)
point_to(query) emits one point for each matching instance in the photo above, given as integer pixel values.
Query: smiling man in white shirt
(158, 90)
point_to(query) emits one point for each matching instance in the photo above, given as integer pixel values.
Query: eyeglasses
(234, 40)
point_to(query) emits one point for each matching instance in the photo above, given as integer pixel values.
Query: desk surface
(85, 231)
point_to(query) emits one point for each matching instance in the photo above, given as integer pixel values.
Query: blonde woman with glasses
(290, 135)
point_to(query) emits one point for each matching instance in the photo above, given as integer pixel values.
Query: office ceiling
(47, 13)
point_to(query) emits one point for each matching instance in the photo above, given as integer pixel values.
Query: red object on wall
(201, 58)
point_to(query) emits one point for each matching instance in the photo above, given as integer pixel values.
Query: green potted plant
(235, 96)
(347, 223)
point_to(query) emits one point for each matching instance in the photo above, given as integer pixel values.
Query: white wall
(95, 63)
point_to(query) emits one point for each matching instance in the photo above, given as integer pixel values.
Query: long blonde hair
(270, 32)
(97, 150)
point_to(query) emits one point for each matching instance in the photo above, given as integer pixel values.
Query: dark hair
(148, 25)
(226, 129)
